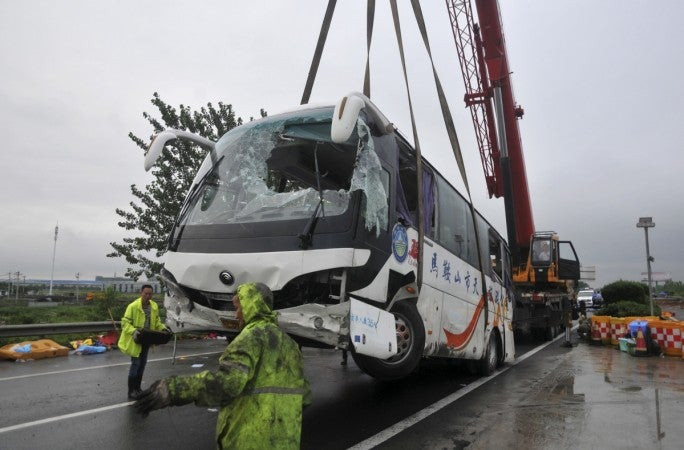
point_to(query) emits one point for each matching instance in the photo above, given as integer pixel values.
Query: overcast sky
(600, 82)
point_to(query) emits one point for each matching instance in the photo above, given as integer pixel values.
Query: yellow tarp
(43, 348)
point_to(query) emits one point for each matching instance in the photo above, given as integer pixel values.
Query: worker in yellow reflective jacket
(142, 313)
(260, 384)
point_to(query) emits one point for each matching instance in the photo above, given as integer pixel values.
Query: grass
(95, 311)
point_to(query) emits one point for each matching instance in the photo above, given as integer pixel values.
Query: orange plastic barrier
(600, 329)
(668, 335)
(618, 329)
(43, 348)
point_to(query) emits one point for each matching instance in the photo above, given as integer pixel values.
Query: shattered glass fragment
(368, 177)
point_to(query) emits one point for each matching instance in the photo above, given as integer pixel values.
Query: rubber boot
(132, 391)
(136, 386)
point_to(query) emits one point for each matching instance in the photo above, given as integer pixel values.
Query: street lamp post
(54, 250)
(646, 223)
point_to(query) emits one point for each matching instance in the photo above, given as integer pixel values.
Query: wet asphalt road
(79, 401)
(585, 397)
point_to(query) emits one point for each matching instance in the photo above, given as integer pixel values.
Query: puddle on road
(642, 393)
(580, 401)
(555, 412)
(590, 397)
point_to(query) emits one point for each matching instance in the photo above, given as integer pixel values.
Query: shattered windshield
(281, 168)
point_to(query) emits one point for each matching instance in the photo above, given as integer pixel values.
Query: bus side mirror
(160, 140)
(347, 112)
(156, 147)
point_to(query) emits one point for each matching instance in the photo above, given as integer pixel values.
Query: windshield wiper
(306, 236)
(318, 180)
(174, 239)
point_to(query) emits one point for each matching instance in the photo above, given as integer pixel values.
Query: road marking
(104, 366)
(398, 427)
(368, 443)
(64, 417)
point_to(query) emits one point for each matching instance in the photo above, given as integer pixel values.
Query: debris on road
(90, 349)
(42, 348)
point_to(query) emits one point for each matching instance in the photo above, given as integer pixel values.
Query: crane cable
(322, 36)
(416, 143)
(455, 146)
(370, 15)
(446, 113)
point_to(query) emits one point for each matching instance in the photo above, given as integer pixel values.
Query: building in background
(120, 284)
(127, 285)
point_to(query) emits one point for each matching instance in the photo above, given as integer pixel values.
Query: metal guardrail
(44, 329)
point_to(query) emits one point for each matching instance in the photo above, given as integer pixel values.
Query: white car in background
(586, 296)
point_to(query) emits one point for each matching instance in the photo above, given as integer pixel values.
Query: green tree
(628, 309)
(674, 288)
(622, 290)
(152, 213)
(105, 303)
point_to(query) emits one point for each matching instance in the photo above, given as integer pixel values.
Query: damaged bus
(321, 204)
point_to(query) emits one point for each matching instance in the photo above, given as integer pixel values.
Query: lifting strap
(446, 114)
(323, 35)
(419, 159)
(455, 146)
(370, 15)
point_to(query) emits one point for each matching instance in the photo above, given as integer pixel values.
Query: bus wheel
(550, 332)
(490, 360)
(410, 343)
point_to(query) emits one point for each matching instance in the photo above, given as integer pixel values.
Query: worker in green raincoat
(260, 384)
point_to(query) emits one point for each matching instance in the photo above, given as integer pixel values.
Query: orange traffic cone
(640, 348)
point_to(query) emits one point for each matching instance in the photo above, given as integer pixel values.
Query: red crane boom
(484, 64)
(544, 269)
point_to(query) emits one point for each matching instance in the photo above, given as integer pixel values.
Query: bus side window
(432, 234)
(495, 256)
(407, 192)
(452, 213)
(471, 240)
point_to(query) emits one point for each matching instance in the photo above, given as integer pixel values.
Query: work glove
(156, 396)
(136, 336)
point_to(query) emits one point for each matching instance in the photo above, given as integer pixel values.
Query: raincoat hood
(256, 301)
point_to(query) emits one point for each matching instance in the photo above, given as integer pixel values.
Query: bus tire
(491, 357)
(550, 332)
(410, 343)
